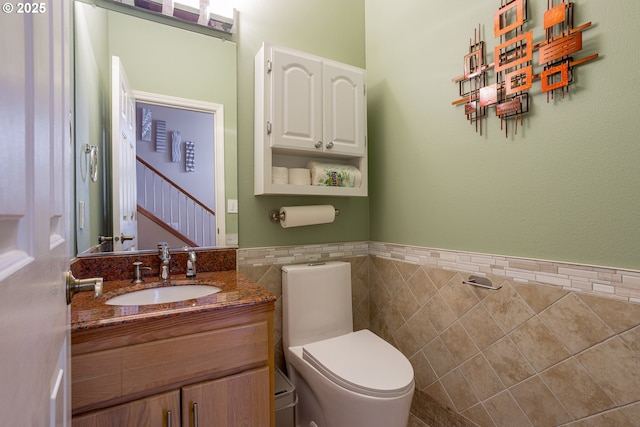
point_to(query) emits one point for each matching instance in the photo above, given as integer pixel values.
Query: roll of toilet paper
(279, 175)
(297, 216)
(299, 176)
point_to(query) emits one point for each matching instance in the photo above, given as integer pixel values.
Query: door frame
(218, 116)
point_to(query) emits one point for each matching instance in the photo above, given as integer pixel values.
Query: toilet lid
(361, 362)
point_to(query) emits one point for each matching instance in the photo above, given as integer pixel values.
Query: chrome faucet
(191, 264)
(165, 257)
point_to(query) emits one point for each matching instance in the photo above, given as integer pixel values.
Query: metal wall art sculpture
(513, 64)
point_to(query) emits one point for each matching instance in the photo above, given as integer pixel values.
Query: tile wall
(557, 344)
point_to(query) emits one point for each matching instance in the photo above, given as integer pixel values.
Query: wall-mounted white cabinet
(307, 108)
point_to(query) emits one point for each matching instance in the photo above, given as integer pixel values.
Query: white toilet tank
(316, 302)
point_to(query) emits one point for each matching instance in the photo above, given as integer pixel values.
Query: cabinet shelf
(307, 108)
(314, 190)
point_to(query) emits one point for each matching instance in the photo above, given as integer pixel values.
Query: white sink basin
(163, 295)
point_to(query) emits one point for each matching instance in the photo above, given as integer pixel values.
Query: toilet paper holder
(276, 216)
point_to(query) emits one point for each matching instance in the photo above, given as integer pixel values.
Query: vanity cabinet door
(241, 400)
(159, 410)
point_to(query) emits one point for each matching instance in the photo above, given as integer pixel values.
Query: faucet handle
(164, 272)
(137, 272)
(163, 250)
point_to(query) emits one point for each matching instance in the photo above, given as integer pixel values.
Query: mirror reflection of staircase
(167, 212)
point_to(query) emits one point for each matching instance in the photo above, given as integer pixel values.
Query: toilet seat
(363, 363)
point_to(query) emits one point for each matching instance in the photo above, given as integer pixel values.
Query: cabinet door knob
(169, 418)
(318, 144)
(329, 145)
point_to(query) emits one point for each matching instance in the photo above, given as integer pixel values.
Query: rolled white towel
(299, 176)
(334, 175)
(279, 175)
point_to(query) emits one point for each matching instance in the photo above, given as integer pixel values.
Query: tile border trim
(608, 282)
(280, 255)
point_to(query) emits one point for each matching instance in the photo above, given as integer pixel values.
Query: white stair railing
(174, 206)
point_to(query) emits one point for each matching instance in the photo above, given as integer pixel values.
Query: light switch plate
(232, 206)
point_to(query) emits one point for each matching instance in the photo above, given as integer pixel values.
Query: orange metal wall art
(513, 63)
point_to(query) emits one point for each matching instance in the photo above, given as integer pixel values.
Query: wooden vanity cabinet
(236, 400)
(216, 366)
(159, 410)
(230, 401)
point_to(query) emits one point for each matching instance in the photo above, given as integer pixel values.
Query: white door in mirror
(123, 122)
(163, 295)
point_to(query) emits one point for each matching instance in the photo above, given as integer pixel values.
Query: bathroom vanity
(203, 361)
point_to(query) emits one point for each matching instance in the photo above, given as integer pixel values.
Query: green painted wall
(92, 121)
(329, 28)
(564, 188)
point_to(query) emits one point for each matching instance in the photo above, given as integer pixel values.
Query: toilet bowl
(343, 378)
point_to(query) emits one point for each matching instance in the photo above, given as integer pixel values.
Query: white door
(35, 188)
(297, 101)
(344, 110)
(123, 158)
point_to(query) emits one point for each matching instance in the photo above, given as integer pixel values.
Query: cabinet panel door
(160, 410)
(344, 110)
(193, 356)
(297, 101)
(96, 377)
(240, 400)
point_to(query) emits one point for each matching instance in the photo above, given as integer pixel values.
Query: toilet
(342, 378)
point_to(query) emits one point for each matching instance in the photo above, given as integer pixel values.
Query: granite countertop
(89, 312)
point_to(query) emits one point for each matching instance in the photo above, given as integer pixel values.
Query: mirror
(159, 59)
